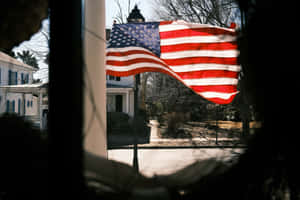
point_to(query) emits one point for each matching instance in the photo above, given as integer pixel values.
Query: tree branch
(194, 11)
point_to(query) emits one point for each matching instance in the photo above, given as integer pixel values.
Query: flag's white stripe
(220, 95)
(181, 25)
(200, 67)
(132, 56)
(124, 49)
(211, 81)
(134, 66)
(198, 39)
(140, 65)
(176, 26)
(200, 53)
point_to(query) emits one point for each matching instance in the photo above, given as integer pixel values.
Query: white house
(17, 93)
(120, 94)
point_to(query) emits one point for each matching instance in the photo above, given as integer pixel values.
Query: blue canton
(144, 35)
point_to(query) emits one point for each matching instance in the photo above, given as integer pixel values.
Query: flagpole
(217, 131)
(135, 129)
(136, 16)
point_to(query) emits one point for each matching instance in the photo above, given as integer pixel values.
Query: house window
(114, 78)
(12, 78)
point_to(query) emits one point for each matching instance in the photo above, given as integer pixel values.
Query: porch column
(40, 113)
(23, 105)
(127, 102)
(3, 103)
(95, 78)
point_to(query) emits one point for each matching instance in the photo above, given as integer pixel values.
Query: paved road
(166, 161)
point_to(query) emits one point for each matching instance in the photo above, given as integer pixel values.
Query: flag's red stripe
(129, 52)
(195, 32)
(134, 61)
(137, 71)
(201, 60)
(215, 88)
(199, 46)
(207, 74)
(165, 22)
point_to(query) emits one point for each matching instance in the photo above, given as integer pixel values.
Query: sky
(38, 43)
(146, 8)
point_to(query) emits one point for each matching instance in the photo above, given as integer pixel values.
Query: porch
(120, 99)
(39, 90)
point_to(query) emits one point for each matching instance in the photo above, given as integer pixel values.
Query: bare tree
(121, 17)
(215, 12)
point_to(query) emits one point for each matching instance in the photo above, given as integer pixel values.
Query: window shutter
(22, 78)
(16, 78)
(13, 106)
(24, 106)
(19, 106)
(7, 106)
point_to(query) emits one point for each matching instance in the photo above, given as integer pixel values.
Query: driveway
(166, 161)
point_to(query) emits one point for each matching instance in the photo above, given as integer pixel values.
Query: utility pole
(135, 16)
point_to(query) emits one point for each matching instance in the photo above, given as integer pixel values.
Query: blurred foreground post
(65, 100)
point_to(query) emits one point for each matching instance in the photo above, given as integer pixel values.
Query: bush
(117, 121)
(174, 121)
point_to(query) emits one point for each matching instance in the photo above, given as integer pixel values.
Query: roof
(135, 15)
(8, 59)
(109, 85)
(26, 88)
(33, 85)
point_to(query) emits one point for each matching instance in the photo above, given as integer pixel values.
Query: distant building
(18, 94)
(120, 94)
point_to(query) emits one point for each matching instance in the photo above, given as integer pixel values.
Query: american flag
(203, 57)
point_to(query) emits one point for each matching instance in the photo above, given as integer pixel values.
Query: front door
(119, 103)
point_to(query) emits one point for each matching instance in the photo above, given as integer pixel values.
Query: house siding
(13, 72)
(123, 87)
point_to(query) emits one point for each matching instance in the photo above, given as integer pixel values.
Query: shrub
(117, 121)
